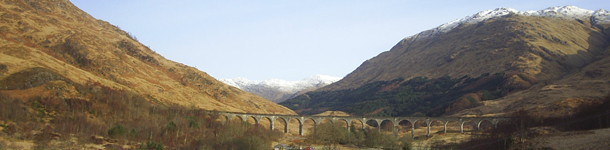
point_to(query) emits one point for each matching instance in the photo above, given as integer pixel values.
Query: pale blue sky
(291, 39)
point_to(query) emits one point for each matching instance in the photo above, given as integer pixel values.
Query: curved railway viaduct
(348, 119)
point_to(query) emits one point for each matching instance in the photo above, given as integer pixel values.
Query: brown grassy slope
(555, 98)
(56, 35)
(569, 58)
(546, 48)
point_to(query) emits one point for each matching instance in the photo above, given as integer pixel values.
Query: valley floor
(598, 139)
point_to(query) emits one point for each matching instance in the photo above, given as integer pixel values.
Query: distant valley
(71, 81)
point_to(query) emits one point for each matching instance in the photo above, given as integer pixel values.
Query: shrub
(171, 126)
(133, 133)
(487, 95)
(192, 123)
(152, 145)
(3, 68)
(117, 131)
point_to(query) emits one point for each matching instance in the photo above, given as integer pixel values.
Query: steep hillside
(49, 48)
(531, 50)
(501, 40)
(277, 90)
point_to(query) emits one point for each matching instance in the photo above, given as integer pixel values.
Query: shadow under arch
(468, 125)
(237, 119)
(252, 120)
(437, 126)
(280, 124)
(356, 125)
(405, 126)
(503, 123)
(372, 123)
(386, 126)
(266, 122)
(418, 124)
(224, 119)
(485, 125)
(342, 123)
(452, 126)
(295, 123)
(308, 126)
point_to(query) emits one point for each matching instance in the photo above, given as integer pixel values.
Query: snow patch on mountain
(567, 12)
(282, 85)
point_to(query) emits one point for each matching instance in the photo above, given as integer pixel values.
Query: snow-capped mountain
(568, 12)
(278, 90)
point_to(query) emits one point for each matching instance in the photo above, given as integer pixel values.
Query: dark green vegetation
(418, 96)
(122, 118)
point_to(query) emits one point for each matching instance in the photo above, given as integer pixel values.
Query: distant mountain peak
(277, 89)
(282, 85)
(568, 12)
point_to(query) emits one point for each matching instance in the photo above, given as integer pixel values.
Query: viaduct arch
(348, 119)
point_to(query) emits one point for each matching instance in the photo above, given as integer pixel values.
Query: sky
(288, 40)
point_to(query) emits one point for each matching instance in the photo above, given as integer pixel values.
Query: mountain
(437, 48)
(277, 90)
(489, 63)
(65, 75)
(52, 49)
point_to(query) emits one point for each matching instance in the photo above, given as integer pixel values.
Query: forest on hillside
(419, 96)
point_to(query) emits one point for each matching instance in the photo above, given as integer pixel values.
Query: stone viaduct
(348, 119)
